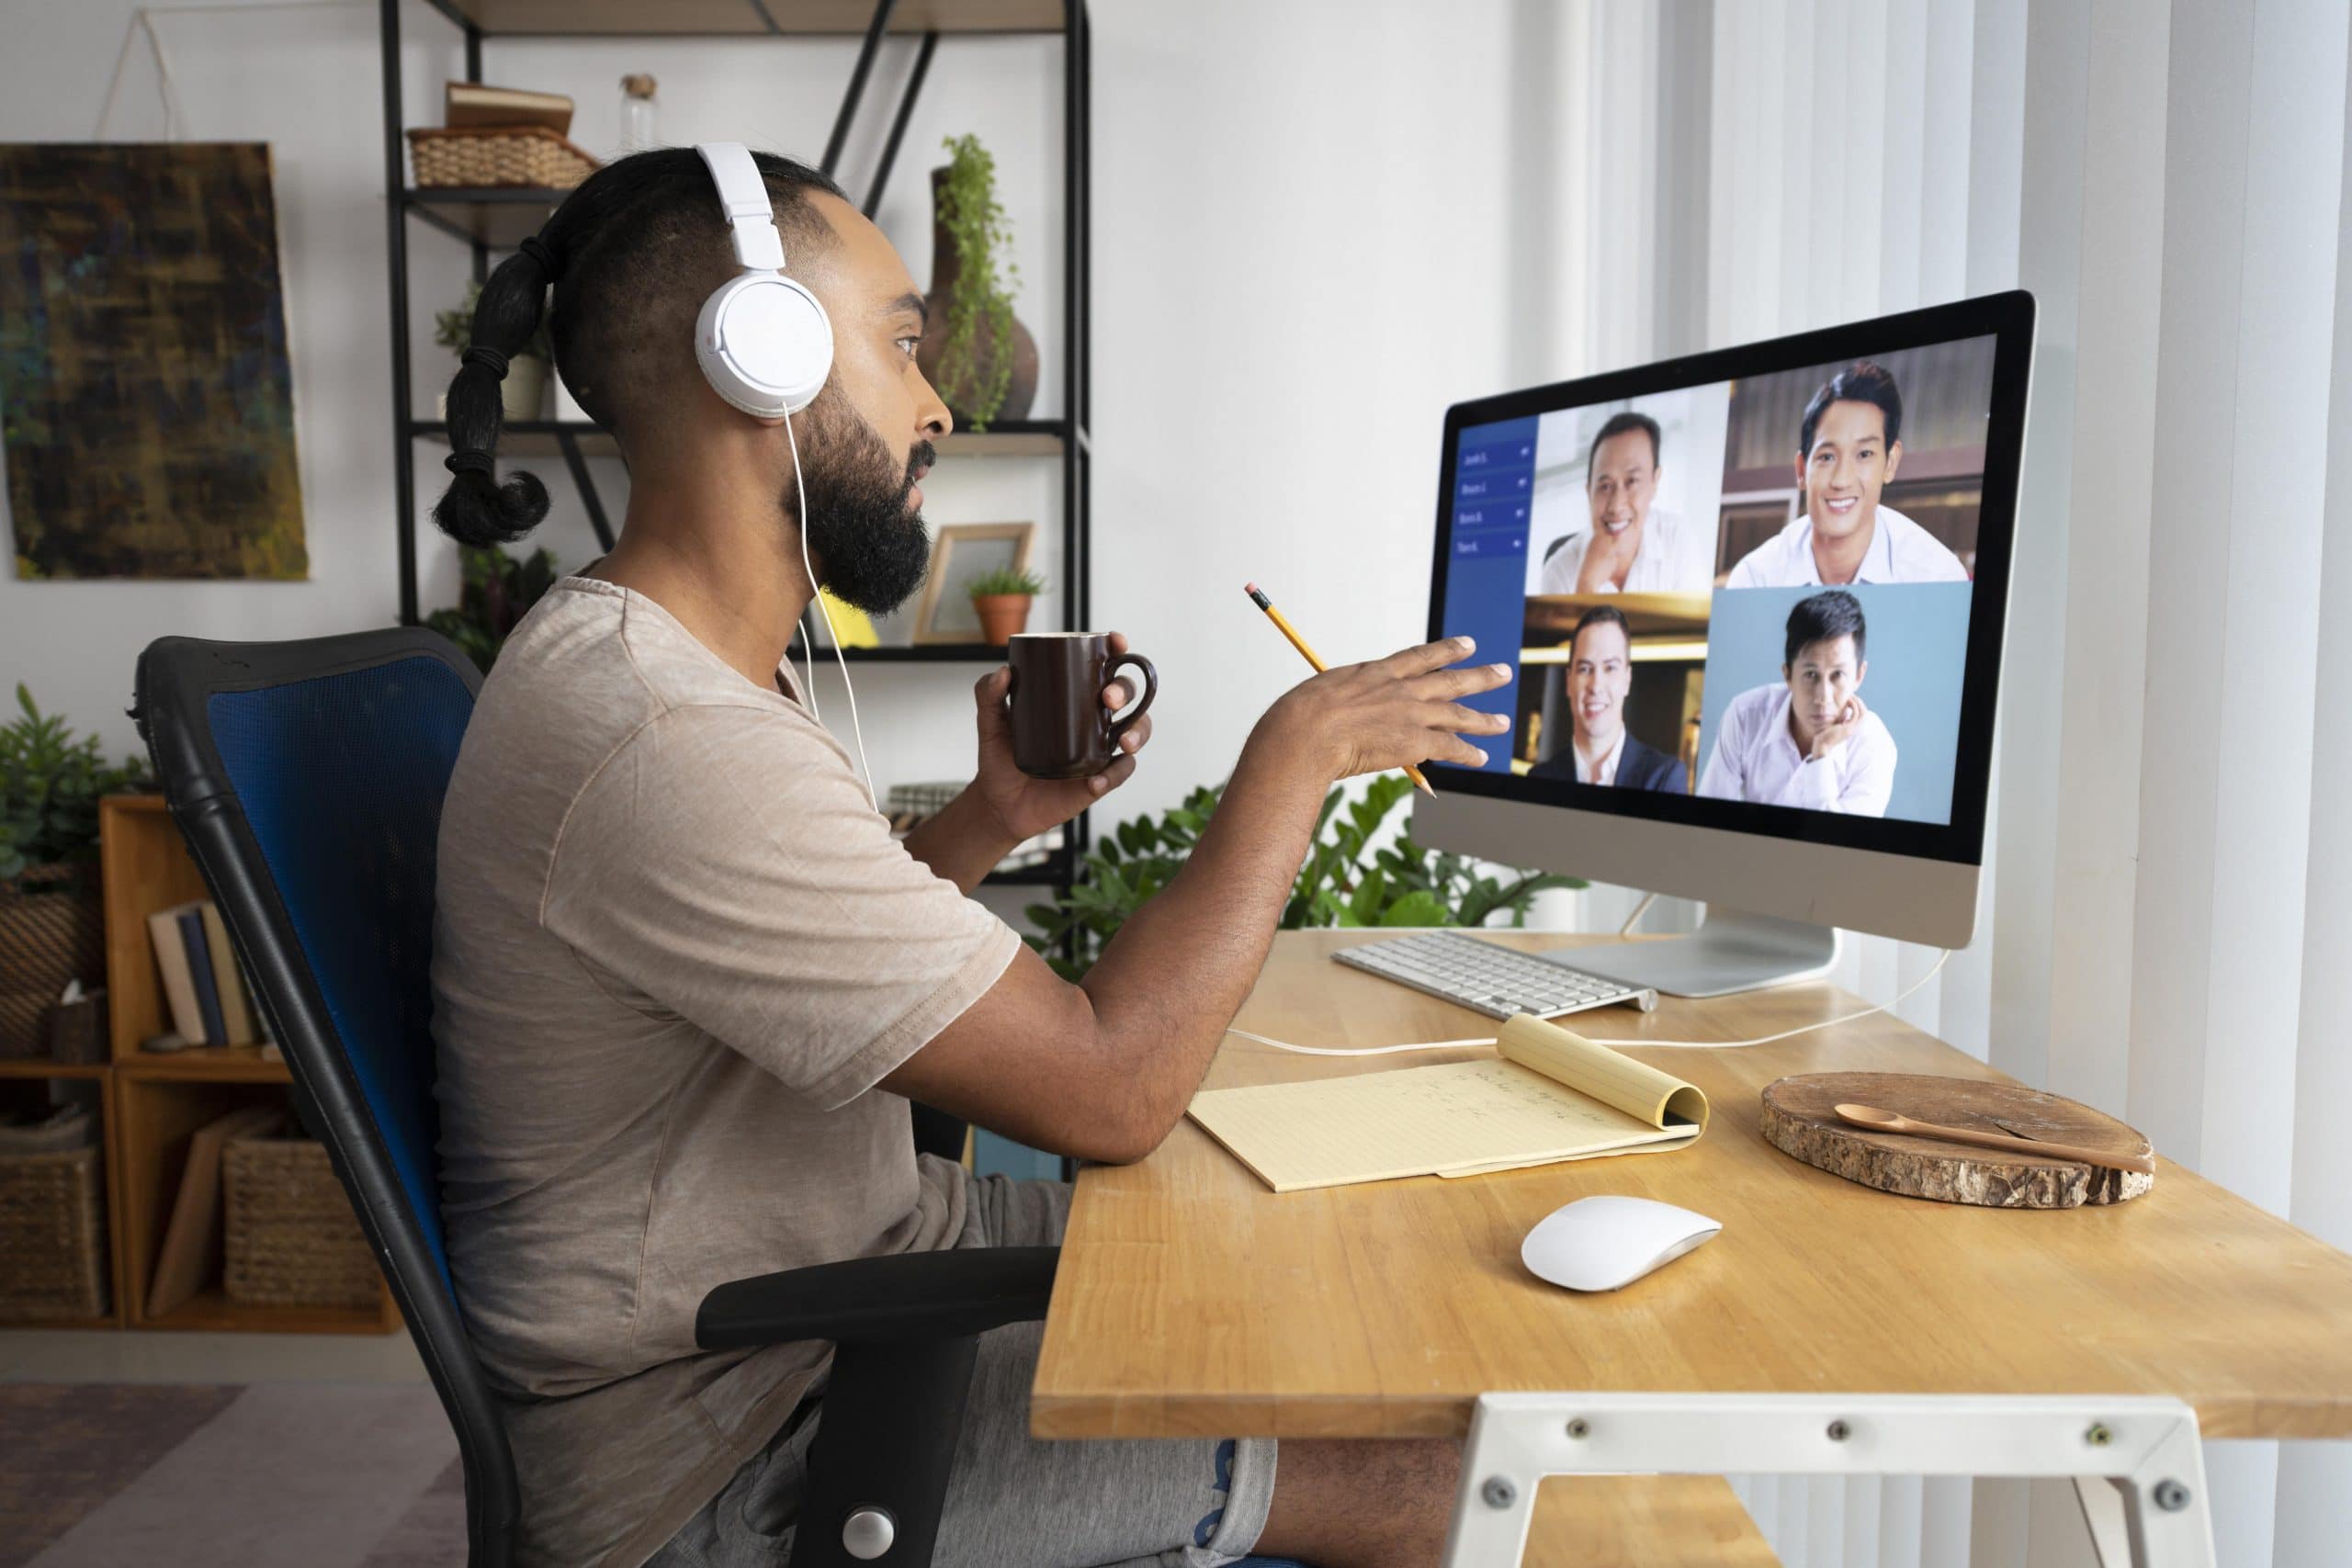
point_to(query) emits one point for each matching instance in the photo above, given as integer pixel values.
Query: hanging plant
(980, 304)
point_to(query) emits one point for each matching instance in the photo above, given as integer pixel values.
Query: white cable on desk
(1942, 959)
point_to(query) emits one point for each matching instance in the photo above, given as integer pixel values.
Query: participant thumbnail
(1609, 690)
(1840, 699)
(1862, 471)
(1626, 493)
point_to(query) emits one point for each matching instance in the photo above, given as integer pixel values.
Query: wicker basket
(53, 1235)
(292, 1238)
(52, 929)
(481, 156)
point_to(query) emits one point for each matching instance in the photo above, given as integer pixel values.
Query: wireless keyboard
(1486, 978)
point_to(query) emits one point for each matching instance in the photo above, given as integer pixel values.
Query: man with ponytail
(687, 983)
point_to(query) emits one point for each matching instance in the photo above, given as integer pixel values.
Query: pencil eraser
(1250, 588)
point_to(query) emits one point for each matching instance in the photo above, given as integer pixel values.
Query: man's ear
(1861, 674)
(1894, 460)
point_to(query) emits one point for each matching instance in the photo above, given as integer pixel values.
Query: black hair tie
(489, 358)
(536, 249)
(470, 460)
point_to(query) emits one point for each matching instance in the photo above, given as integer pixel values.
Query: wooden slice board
(1800, 1120)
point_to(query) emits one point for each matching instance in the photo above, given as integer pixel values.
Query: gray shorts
(1013, 1499)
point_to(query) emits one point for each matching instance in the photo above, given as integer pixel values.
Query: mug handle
(1150, 690)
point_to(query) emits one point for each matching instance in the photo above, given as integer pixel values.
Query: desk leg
(2138, 1463)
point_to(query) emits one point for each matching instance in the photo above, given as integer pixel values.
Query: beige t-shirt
(674, 950)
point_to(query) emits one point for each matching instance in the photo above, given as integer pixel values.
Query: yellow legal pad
(1550, 1095)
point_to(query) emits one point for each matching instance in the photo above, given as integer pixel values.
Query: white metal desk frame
(2137, 1463)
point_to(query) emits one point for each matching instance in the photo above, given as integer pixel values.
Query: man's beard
(872, 551)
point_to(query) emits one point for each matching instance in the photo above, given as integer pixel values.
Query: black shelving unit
(487, 220)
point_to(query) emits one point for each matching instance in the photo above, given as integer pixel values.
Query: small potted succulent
(1001, 599)
(524, 392)
(51, 928)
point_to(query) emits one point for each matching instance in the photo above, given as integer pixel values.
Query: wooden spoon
(1879, 1120)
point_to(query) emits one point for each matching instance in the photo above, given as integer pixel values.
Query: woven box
(53, 1235)
(473, 158)
(51, 931)
(292, 1238)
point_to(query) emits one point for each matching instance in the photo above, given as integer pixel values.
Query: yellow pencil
(1314, 659)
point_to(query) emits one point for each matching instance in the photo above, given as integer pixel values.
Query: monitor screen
(1759, 589)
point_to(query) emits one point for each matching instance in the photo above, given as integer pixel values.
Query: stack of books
(204, 989)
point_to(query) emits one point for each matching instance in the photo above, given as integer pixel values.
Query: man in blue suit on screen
(1600, 752)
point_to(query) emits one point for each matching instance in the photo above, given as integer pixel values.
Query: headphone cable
(809, 655)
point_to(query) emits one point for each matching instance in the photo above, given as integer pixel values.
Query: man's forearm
(1169, 982)
(962, 843)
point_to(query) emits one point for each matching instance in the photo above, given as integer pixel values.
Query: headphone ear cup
(765, 344)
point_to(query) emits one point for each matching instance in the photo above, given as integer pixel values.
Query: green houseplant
(52, 929)
(1344, 880)
(1001, 599)
(499, 591)
(981, 359)
(523, 392)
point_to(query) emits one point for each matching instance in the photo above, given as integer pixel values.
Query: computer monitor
(1754, 602)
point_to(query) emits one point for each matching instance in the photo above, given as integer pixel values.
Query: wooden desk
(1193, 1301)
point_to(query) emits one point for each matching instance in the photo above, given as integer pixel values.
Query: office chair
(307, 779)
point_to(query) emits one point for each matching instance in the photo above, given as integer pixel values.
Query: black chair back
(307, 779)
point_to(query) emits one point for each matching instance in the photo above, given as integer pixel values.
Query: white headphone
(764, 342)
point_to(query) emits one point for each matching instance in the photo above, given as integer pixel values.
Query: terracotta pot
(1002, 616)
(52, 929)
(946, 266)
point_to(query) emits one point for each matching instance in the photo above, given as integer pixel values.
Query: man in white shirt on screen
(1808, 742)
(1847, 451)
(1632, 547)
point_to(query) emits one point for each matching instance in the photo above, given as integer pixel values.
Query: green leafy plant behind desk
(1343, 882)
(50, 783)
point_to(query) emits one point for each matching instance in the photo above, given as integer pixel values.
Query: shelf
(500, 218)
(43, 1067)
(210, 1309)
(206, 1064)
(541, 438)
(705, 18)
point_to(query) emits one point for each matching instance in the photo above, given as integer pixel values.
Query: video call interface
(1755, 590)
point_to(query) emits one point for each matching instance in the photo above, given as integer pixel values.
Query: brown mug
(1060, 730)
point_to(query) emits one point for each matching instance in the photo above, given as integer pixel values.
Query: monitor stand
(1731, 950)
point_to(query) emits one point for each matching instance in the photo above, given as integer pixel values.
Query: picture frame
(961, 554)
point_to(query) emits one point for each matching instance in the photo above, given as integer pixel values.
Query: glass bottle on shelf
(637, 113)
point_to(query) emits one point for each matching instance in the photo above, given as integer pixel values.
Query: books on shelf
(470, 105)
(204, 989)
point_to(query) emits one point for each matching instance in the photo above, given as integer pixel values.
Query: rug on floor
(319, 1475)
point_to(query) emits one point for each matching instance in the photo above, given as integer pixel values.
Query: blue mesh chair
(307, 779)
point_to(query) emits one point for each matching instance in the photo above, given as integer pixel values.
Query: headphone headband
(751, 218)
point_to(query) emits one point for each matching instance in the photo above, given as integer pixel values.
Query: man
(685, 983)
(1632, 547)
(1809, 742)
(1848, 448)
(1600, 752)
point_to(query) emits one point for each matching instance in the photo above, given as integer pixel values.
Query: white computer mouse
(1604, 1243)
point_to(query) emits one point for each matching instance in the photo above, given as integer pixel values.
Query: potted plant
(498, 591)
(1001, 599)
(981, 360)
(524, 392)
(53, 928)
(1345, 881)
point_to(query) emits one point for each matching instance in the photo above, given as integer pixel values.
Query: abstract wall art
(146, 398)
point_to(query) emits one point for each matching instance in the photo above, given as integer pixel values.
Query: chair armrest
(911, 1295)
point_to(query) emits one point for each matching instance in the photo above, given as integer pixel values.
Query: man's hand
(1023, 806)
(1365, 718)
(1829, 737)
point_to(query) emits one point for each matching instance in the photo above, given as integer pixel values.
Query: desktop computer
(1754, 600)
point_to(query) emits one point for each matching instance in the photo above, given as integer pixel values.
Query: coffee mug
(1060, 730)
